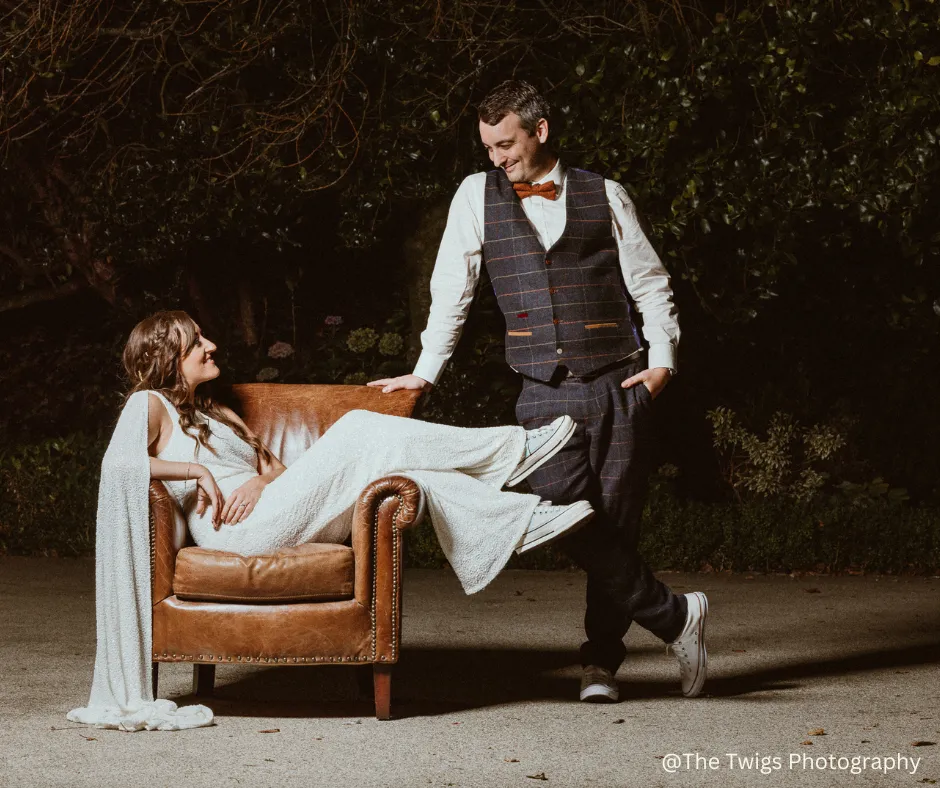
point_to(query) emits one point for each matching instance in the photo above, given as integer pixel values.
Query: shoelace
(535, 437)
(596, 675)
(678, 649)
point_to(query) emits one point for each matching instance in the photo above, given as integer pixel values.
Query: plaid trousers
(606, 462)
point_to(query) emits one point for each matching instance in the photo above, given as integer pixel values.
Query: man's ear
(541, 130)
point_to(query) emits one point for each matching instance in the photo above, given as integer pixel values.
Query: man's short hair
(514, 95)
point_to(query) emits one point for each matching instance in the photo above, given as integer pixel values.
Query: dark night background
(272, 167)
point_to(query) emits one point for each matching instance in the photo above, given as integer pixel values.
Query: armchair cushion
(306, 573)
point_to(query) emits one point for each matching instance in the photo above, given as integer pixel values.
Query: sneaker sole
(545, 452)
(584, 514)
(699, 680)
(600, 693)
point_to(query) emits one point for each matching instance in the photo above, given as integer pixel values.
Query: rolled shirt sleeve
(646, 279)
(454, 279)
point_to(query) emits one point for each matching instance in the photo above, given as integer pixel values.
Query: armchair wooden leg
(203, 679)
(382, 683)
(155, 677)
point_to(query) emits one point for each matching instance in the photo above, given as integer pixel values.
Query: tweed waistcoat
(565, 305)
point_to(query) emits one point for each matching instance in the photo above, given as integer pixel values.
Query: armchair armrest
(385, 508)
(167, 538)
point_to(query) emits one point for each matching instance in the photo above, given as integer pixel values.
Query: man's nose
(498, 158)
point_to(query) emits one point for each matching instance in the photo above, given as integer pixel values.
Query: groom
(569, 264)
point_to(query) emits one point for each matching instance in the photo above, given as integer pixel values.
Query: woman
(237, 496)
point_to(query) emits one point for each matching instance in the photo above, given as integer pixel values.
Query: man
(564, 250)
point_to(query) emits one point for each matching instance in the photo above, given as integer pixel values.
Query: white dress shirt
(457, 269)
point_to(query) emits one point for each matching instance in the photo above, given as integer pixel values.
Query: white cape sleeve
(121, 692)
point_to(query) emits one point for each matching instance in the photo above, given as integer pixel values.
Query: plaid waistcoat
(566, 305)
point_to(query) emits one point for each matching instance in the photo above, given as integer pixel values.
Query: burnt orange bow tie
(546, 190)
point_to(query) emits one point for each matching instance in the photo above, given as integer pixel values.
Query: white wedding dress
(461, 472)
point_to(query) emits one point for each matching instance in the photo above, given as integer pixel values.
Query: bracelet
(187, 471)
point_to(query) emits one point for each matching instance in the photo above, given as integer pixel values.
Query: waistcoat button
(548, 261)
(552, 290)
(559, 351)
(556, 321)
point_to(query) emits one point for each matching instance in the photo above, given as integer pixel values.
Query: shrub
(788, 463)
(332, 355)
(830, 533)
(48, 496)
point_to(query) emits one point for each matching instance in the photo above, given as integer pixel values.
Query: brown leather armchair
(314, 604)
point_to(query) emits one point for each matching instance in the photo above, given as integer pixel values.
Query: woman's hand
(242, 502)
(208, 494)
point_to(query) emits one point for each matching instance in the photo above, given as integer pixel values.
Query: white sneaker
(598, 685)
(550, 522)
(689, 647)
(540, 445)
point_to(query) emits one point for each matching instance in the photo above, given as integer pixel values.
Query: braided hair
(153, 357)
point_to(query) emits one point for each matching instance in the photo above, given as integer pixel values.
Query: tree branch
(31, 297)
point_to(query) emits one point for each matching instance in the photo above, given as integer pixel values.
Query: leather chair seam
(200, 597)
(253, 658)
(375, 559)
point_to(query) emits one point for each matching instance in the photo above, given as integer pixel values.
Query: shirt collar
(557, 174)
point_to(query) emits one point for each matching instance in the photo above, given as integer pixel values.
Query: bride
(237, 496)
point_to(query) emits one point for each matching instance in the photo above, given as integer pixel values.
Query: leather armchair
(315, 604)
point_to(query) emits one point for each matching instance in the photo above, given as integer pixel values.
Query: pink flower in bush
(280, 350)
(333, 320)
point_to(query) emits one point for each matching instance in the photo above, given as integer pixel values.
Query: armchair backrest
(289, 417)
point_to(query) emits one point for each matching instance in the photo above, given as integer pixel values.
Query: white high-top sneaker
(550, 522)
(689, 647)
(540, 445)
(598, 685)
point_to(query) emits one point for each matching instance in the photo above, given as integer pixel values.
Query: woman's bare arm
(159, 430)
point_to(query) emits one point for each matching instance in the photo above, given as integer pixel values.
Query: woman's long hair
(153, 357)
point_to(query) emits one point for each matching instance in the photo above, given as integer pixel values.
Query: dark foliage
(263, 164)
